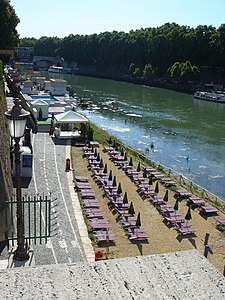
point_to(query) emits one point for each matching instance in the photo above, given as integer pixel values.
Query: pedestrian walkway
(69, 240)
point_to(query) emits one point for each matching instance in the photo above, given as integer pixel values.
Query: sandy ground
(162, 238)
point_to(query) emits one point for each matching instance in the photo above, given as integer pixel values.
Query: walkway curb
(86, 242)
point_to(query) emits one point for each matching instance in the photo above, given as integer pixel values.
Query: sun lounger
(126, 168)
(164, 210)
(167, 181)
(104, 235)
(175, 219)
(157, 200)
(94, 144)
(221, 221)
(208, 209)
(148, 169)
(137, 234)
(87, 193)
(95, 215)
(90, 203)
(108, 149)
(98, 223)
(82, 186)
(183, 224)
(81, 178)
(90, 210)
(196, 201)
(187, 230)
(182, 193)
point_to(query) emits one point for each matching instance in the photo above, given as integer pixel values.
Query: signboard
(24, 56)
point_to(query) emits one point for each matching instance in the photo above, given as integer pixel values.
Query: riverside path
(49, 177)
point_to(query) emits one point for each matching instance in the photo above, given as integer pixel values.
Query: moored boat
(55, 69)
(207, 96)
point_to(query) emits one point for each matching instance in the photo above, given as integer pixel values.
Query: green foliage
(9, 37)
(183, 71)
(160, 47)
(131, 69)
(148, 71)
(137, 72)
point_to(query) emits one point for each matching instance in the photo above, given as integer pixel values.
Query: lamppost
(17, 118)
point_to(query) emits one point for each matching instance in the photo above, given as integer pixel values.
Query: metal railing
(37, 219)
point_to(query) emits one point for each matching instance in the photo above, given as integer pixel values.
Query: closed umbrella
(125, 199)
(101, 164)
(105, 171)
(114, 143)
(98, 157)
(114, 181)
(110, 140)
(131, 162)
(188, 214)
(139, 167)
(122, 152)
(119, 190)
(125, 156)
(110, 175)
(145, 175)
(138, 221)
(131, 209)
(176, 205)
(95, 154)
(166, 198)
(156, 188)
(150, 181)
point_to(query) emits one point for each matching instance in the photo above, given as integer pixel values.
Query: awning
(70, 117)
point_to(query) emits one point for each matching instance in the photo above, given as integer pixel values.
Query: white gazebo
(40, 108)
(65, 124)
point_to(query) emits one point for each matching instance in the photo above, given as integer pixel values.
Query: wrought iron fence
(37, 219)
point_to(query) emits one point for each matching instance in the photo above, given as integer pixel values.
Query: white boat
(55, 69)
(207, 96)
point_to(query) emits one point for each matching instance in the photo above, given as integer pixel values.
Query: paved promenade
(69, 242)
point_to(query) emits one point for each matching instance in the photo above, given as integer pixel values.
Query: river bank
(188, 87)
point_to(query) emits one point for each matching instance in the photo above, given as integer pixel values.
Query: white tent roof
(70, 117)
(40, 102)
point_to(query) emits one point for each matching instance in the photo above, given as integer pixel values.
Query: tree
(131, 69)
(9, 37)
(148, 71)
(137, 72)
(174, 71)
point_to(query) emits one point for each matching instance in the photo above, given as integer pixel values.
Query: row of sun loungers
(146, 190)
(93, 213)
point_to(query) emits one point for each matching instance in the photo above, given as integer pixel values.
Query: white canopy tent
(70, 117)
(65, 124)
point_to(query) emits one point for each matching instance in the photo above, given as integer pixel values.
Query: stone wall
(6, 186)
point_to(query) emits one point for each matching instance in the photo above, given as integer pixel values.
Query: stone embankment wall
(6, 185)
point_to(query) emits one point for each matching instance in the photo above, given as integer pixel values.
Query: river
(188, 134)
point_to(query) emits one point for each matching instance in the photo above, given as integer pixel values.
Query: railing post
(40, 229)
(35, 224)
